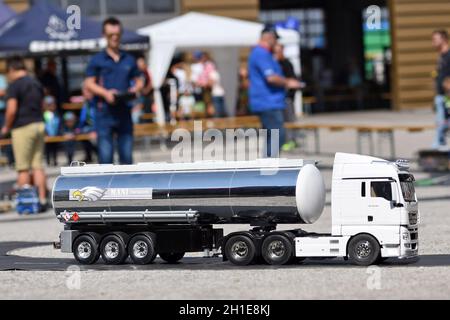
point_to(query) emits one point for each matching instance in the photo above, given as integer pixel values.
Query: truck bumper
(409, 246)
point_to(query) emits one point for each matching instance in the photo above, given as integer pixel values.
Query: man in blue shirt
(267, 90)
(110, 75)
(440, 41)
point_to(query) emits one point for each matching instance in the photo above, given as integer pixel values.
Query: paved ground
(31, 268)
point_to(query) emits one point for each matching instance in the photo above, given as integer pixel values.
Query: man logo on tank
(94, 194)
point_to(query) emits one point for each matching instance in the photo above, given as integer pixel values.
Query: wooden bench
(363, 132)
(154, 130)
(79, 137)
(150, 131)
(147, 116)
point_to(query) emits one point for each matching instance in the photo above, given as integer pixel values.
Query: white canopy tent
(221, 36)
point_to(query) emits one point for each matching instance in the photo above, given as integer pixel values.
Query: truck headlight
(405, 236)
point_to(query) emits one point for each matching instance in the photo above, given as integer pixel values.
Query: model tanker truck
(142, 210)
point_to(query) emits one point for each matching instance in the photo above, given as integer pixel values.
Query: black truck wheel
(113, 249)
(363, 250)
(142, 249)
(277, 249)
(172, 257)
(85, 249)
(240, 250)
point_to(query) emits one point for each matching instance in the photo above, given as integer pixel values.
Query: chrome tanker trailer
(170, 208)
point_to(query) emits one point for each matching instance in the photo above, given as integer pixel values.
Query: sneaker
(43, 206)
(288, 146)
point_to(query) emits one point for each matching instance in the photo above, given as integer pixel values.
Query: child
(52, 128)
(86, 124)
(186, 103)
(218, 94)
(69, 132)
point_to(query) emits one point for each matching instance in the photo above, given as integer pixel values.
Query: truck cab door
(382, 207)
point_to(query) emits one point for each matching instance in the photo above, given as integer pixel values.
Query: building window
(121, 7)
(159, 6)
(88, 7)
(309, 22)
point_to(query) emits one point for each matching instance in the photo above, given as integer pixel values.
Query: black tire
(240, 250)
(85, 249)
(142, 249)
(172, 257)
(113, 249)
(277, 249)
(363, 250)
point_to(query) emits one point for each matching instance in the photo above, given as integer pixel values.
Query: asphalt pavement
(31, 268)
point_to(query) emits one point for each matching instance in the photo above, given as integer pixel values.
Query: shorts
(28, 146)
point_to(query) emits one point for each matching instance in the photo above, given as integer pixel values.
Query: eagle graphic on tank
(87, 194)
(92, 193)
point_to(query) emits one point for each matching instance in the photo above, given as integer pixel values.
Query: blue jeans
(6, 149)
(441, 122)
(111, 131)
(219, 106)
(273, 120)
(70, 146)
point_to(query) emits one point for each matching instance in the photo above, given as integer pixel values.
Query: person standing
(3, 86)
(267, 95)
(217, 94)
(440, 41)
(86, 124)
(24, 101)
(50, 82)
(111, 74)
(145, 100)
(201, 76)
(52, 127)
(289, 112)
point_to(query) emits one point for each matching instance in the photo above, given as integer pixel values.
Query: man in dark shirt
(24, 98)
(440, 41)
(289, 112)
(112, 73)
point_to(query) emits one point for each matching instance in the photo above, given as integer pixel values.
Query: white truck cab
(374, 212)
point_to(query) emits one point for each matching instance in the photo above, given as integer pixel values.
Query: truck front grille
(413, 217)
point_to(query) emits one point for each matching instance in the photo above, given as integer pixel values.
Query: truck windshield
(407, 185)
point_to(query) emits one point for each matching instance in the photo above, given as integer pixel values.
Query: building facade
(349, 60)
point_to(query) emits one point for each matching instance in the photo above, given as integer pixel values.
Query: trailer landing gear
(172, 257)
